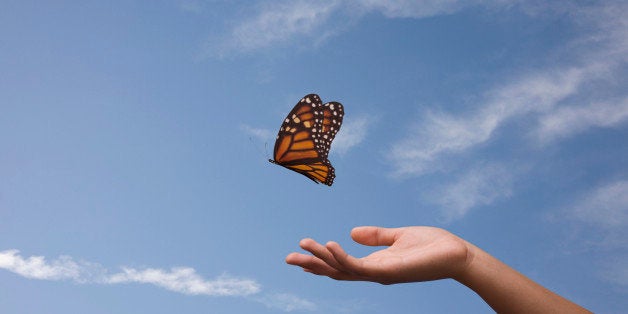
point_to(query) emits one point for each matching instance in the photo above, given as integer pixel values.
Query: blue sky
(134, 139)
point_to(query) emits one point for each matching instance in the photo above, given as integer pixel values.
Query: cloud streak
(568, 121)
(275, 23)
(36, 267)
(615, 271)
(416, 9)
(558, 98)
(439, 134)
(603, 212)
(286, 302)
(293, 22)
(263, 135)
(559, 102)
(481, 185)
(606, 206)
(351, 134)
(184, 280)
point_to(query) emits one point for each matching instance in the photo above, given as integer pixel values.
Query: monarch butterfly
(305, 137)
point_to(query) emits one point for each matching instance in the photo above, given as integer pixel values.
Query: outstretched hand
(412, 254)
(427, 253)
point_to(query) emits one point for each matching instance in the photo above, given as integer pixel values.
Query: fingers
(345, 261)
(375, 236)
(310, 264)
(319, 251)
(315, 265)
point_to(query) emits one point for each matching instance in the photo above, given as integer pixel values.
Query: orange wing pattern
(305, 137)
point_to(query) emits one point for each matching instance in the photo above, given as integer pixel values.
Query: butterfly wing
(300, 144)
(295, 140)
(333, 113)
(319, 172)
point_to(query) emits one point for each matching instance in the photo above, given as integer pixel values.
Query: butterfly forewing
(295, 140)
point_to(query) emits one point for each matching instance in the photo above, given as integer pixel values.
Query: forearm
(508, 291)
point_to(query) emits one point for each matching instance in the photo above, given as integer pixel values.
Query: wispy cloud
(560, 97)
(275, 23)
(571, 97)
(300, 22)
(261, 134)
(62, 268)
(192, 6)
(352, 133)
(183, 280)
(606, 206)
(286, 302)
(603, 212)
(417, 9)
(479, 186)
(440, 134)
(568, 121)
(615, 271)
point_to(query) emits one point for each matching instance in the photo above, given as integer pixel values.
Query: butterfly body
(305, 137)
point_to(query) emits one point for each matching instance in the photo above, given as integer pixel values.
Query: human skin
(416, 254)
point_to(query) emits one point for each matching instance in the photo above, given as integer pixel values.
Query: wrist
(470, 265)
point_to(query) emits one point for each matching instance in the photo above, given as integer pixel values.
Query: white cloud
(416, 9)
(566, 99)
(183, 280)
(352, 132)
(603, 212)
(439, 134)
(301, 22)
(275, 23)
(615, 271)
(603, 215)
(286, 302)
(607, 206)
(36, 267)
(192, 6)
(477, 187)
(263, 135)
(310, 22)
(570, 120)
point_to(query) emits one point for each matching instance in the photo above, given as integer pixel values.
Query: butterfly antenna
(257, 148)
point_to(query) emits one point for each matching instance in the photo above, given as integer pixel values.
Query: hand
(413, 254)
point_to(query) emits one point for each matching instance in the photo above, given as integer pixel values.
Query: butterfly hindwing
(319, 172)
(305, 136)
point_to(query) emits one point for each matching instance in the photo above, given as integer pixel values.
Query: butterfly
(305, 137)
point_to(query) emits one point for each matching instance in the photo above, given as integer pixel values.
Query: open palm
(412, 254)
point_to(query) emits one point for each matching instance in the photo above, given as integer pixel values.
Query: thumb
(375, 236)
